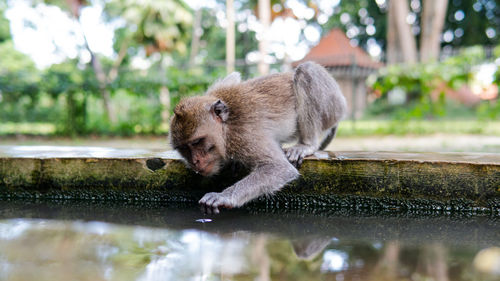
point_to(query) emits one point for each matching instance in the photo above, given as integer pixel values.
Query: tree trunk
(432, 262)
(74, 8)
(100, 76)
(402, 41)
(101, 79)
(165, 104)
(432, 23)
(260, 258)
(387, 265)
(195, 41)
(393, 53)
(230, 52)
(113, 73)
(265, 21)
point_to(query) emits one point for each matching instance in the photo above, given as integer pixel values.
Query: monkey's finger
(211, 200)
(203, 209)
(299, 162)
(202, 200)
(209, 209)
(206, 199)
(294, 156)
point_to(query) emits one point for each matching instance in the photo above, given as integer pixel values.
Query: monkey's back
(263, 103)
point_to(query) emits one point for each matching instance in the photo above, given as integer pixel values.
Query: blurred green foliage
(372, 127)
(67, 97)
(159, 26)
(424, 86)
(467, 20)
(4, 23)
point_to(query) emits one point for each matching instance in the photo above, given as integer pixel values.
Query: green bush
(420, 82)
(68, 96)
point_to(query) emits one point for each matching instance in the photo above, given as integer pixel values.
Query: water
(81, 240)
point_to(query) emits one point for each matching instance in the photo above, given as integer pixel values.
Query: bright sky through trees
(48, 35)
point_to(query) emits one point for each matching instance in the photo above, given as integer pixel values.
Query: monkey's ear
(220, 111)
(231, 79)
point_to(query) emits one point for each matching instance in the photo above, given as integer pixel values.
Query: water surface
(82, 240)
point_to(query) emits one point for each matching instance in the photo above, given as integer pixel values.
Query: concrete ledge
(441, 182)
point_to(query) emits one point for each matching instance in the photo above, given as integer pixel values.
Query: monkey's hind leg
(329, 137)
(296, 154)
(308, 86)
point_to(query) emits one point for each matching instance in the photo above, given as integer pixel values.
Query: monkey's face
(203, 155)
(196, 131)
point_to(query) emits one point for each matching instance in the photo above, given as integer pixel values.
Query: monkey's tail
(326, 141)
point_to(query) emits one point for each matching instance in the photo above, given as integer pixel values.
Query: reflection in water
(334, 260)
(488, 260)
(75, 250)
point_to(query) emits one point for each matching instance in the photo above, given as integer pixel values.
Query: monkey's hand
(296, 153)
(211, 202)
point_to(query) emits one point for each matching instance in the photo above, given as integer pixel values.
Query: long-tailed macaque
(247, 122)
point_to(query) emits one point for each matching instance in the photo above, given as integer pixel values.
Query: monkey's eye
(181, 148)
(197, 141)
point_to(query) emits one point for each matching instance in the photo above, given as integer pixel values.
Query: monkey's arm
(264, 179)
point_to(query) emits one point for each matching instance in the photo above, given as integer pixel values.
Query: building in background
(349, 65)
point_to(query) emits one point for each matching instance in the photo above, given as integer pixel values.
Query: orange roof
(335, 50)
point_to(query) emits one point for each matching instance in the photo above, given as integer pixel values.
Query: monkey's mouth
(206, 170)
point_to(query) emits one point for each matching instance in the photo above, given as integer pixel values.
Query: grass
(346, 128)
(417, 127)
(42, 129)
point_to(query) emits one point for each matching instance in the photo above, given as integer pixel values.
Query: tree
(154, 26)
(213, 40)
(401, 46)
(432, 22)
(265, 21)
(230, 53)
(73, 7)
(4, 23)
(75, 85)
(18, 75)
(472, 22)
(401, 42)
(161, 27)
(363, 21)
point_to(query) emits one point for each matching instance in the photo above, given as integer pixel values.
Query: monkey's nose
(196, 162)
(199, 166)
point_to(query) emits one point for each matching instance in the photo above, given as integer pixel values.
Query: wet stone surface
(394, 182)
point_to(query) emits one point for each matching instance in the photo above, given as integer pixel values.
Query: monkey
(247, 122)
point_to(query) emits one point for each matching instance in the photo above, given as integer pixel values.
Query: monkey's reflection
(309, 248)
